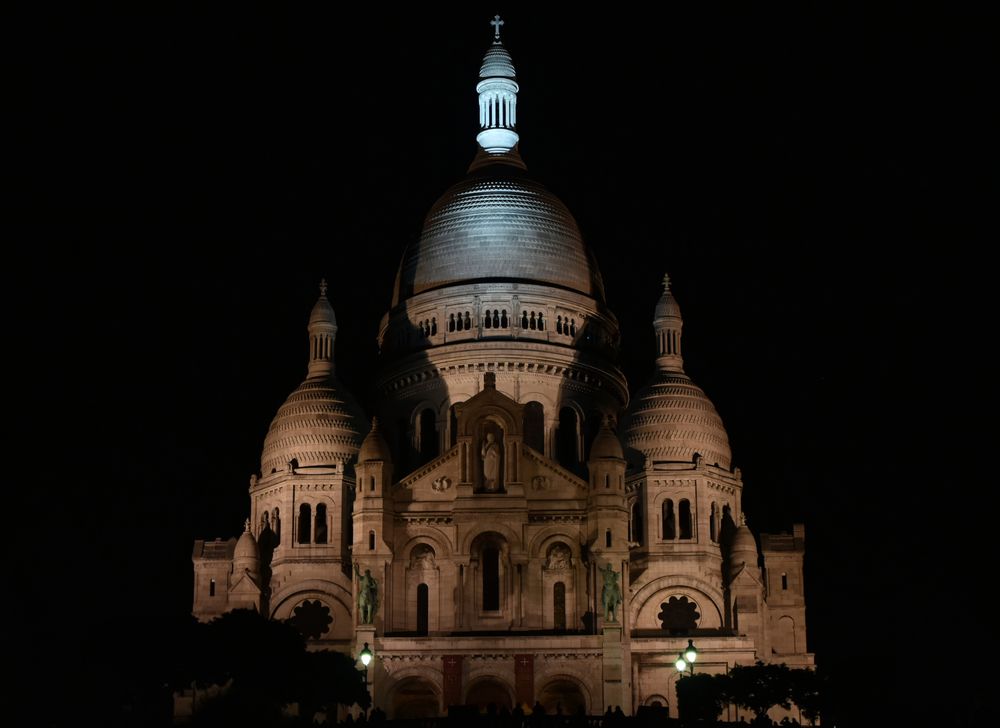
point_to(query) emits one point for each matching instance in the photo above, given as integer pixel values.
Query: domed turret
(374, 447)
(246, 556)
(497, 98)
(671, 419)
(606, 444)
(743, 550)
(319, 423)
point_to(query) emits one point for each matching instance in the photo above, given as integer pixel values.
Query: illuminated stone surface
(486, 559)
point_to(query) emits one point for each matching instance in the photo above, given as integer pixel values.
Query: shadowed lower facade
(508, 527)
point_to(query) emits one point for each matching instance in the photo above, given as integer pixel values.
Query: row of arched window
(495, 320)
(565, 325)
(677, 525)
(322, 347)
(428, 327)
(534, 322)
(312, 530)
(456, 322)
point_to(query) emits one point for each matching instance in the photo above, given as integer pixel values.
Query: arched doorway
(564, 694)
(488, 691)
(415, 697)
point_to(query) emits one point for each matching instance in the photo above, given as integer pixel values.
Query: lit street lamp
(685, 661)
(366, 658)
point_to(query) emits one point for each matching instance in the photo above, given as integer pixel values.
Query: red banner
(452, 680)
(524, 679)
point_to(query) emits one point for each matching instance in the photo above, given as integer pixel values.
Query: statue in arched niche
(491, 453)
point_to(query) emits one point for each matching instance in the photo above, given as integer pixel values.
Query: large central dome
(498, 225)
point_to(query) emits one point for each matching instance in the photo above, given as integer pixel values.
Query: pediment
(245, 585)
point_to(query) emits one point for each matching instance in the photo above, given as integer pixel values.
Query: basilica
(508, 526)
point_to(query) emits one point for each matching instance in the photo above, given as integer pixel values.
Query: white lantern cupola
(497, 97)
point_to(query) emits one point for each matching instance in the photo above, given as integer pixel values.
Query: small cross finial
(246, 526)
(322, 287)
(496, 23)
(666, 283)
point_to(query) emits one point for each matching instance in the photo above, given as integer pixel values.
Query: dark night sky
(190, 176)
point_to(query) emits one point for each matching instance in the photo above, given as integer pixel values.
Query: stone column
(611, 667)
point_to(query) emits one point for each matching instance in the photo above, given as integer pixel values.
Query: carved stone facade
(506, 480)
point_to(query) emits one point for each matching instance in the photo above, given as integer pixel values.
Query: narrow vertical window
(784, 581)
(669, 532)
(524, 320)
(487, 321)
(320, 528)
(305, 518)
(491, 579)
(496, 319)
(451, 322)
(422, 609)
(211, 587)
(607, 538)
(607, 480)
(468, 321)
(712, 529)
(558, 324)
(371, 484)
(567, 438)
(434, 326)
(371, 540)
(532, 324)
(428, 436)
(637, 521)
(684, 511)
(503, 319)
(559, 606)
(541, 322)
(534, 426)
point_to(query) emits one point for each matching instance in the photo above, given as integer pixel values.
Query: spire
(322, 333)
(667, 323)
(497, 97)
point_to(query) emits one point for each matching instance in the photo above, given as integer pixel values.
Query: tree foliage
(700, 697)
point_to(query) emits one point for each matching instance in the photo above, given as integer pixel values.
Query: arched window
(451, 322)
(496, 319)
(524, 319)
(422, 609)
(636, 522)
(320, 530)
(684, 511)
(211, 587)
(713, 531)
(534, 426)
(559, 606)
(491, 579)
(371, 540)
(669, 531)
(468, 321)
(784, 581)
(371, 483)
(559, 328)
(541, 322)
(487, 321)
(434, 326)
(572, 327)
(305, 519)
(428, 436)
(276, 525)
(567, 439)
(503, 319)
(532, 324)
(453, 425)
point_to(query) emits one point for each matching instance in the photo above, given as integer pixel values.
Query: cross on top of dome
(496, 23)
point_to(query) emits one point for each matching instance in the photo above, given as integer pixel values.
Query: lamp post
(685, 661)
(366, 658)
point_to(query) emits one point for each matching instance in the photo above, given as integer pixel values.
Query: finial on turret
(666, 283)
(246, 526)
(743, 519)
(496, 23)
(322, 286)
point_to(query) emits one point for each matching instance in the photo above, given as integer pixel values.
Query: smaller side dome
(246, 555)
(374, 446)
(322, 313)
(606, 444)
(744, 547)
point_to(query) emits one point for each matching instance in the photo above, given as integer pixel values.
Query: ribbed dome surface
(498, 226)
(671, 419)
(319, 424)
(497, 62)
